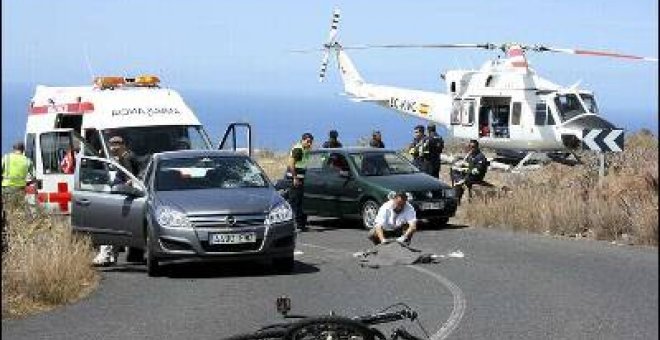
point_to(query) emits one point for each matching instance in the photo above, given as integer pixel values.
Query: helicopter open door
(495, 117)
(229, 140)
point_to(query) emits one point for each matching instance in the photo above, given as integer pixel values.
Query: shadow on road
(329, 224)
(205, 270)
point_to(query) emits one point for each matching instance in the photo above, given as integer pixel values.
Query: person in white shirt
(395, 218)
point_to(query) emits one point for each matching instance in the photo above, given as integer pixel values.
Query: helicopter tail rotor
(330, 43)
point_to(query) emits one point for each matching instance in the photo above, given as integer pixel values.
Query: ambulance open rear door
(54, 165)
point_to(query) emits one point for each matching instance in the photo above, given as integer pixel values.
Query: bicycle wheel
(329, 327)
(277, 334)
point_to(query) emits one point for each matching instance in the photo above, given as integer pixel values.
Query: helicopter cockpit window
(569, 106)
(590, 102)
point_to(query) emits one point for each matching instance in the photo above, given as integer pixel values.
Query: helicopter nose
(571, 132)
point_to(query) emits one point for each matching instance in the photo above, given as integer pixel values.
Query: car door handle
(83, 202)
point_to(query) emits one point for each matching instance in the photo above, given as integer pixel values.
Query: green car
(354, 182)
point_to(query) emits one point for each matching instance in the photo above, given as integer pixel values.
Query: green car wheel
(369, 212)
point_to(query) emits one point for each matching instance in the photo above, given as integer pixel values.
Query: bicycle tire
(265, 335)
(318, 328)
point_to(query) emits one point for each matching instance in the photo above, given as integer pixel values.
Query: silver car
(200, 205)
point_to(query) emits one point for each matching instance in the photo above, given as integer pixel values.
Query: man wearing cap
(376, 140)
(333, 142)
(16, 171)
(395, 218)
(295, 174)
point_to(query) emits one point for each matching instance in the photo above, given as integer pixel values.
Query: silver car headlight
(391, 195)
(171, 218)
(449, 193)
(279, 213)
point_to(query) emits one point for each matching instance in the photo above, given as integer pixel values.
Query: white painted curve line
(460, 303)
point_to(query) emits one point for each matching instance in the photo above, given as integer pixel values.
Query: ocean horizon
(279, 120)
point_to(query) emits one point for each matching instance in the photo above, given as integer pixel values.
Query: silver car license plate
(232, 238)
(431, 205)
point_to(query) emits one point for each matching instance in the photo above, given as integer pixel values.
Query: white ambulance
(148, 117)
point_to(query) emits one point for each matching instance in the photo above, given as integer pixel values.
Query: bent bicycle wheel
(329, 327)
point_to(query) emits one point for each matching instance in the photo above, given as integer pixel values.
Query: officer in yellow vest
(16, 171)
(295, 174)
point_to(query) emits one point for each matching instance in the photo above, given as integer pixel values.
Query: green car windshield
(207, 173)
(382, 164)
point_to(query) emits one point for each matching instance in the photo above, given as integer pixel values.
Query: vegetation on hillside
(43, 264)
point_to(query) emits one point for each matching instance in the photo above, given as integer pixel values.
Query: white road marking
(460, 303)
(297, 252)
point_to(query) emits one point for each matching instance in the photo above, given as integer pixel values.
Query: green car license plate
(232, 238)
(431, 205)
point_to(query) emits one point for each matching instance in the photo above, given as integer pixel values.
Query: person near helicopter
(419, 150)
(471, 170)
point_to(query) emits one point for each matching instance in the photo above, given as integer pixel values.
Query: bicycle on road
(334, 327)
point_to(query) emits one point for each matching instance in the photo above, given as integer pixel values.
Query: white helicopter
(505, 105)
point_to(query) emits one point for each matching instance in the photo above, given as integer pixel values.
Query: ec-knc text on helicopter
(505, 104)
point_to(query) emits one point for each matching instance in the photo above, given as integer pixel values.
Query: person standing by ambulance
(295, 174)
(16, 172)
(107, 254)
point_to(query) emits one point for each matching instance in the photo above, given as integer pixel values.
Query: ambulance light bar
(114, 82)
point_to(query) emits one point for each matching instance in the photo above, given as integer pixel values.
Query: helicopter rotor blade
(592, 53)
(330, 43)
(487, 46)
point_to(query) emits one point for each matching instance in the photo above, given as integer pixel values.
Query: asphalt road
(508, 286)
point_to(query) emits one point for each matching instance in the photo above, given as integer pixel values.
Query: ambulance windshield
(146, 140)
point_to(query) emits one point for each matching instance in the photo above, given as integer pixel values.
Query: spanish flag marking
(423, 108)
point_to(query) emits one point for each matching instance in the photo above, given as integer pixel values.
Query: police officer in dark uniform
(471, 169)
(332, 142)
(295, 174)
(419, 150)
(436, 145)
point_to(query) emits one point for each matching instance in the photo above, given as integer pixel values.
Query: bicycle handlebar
(379, 318)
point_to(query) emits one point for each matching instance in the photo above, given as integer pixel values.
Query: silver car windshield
(208, 173)
(147, 140)
(382, 164)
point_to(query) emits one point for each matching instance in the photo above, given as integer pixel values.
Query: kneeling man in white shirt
(396, 218)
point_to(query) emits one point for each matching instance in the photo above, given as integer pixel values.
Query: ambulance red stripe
(84, 107)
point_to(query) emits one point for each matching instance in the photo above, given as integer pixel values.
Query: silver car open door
(230, 139)
(108, 202)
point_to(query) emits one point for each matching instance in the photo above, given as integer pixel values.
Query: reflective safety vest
(15, 169)
(300, 164)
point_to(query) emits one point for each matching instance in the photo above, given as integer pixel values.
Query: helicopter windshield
(590, 102)
(569, 106)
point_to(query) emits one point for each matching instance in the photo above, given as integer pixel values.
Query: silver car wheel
(369, 212)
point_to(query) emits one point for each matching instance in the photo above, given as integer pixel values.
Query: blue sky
(241, 47)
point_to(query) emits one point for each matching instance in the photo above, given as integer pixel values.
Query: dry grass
(570, 201)
(43, 265)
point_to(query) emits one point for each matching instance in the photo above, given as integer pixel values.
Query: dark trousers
(435, 169)
(295, 199)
